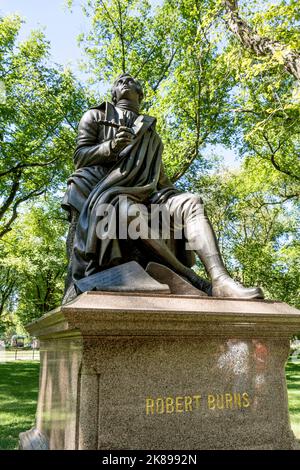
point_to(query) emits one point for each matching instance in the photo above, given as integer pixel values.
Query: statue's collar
(110, 110)
(126, 105)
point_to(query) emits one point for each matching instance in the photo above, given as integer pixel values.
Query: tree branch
(7, 226)
(13, 191)
(119, 32)
(274, 162)
(146, 60)
(110, 18)
(122, 37)
(189, 158)
(165, 69)
(261, 46)
(20, 166)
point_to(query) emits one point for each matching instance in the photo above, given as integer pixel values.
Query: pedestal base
(164, 372)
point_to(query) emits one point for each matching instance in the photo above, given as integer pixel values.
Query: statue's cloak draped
(138, 175)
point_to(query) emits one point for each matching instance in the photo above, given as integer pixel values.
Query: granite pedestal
(156, 371)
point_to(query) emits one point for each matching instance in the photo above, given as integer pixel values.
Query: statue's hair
(139, 87)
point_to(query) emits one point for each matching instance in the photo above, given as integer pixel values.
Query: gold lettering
(197, 399)
(160, 407)
(169, 405)
(188, 403)
(228, 400)
(211, 402)
(237, 400)
(179, 405)
(220, 402)
(246, 400)
(149, 406)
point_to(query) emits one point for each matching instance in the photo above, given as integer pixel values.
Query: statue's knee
(128, 210)
(195, 207)
(196, 199)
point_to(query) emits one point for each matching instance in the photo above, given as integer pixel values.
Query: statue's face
(127, 88)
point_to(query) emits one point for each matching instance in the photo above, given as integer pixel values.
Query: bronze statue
(119, 154)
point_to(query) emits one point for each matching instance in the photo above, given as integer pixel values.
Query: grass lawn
(19, 389)
(19, 384)
(293, 383)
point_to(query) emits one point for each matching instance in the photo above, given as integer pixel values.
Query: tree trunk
(261, 46)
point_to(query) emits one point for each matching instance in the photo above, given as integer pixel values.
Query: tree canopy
(38, 120)
(33, 261)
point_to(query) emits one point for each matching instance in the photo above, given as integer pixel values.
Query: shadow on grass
(19, 383)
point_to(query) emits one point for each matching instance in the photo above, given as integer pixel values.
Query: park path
(19, 355)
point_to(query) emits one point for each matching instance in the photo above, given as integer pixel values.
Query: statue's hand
(123, 137)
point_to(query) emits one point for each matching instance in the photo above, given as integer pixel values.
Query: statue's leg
(160, 249)
(201, 238)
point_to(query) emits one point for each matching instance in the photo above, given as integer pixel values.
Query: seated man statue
(119, 158)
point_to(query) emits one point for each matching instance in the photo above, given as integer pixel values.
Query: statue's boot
(202, 236)
(230, 288)
(70, 294)
(223, 285)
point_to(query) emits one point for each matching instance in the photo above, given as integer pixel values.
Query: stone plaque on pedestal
(145, 371)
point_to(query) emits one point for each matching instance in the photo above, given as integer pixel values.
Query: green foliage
(173, 50)
(267, 98)
(258, 233)
(33, 261)
(37, 120)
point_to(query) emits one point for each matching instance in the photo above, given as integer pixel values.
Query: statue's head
(127, 87)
